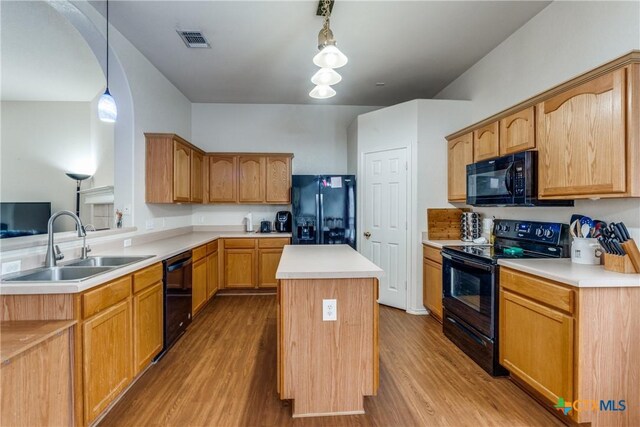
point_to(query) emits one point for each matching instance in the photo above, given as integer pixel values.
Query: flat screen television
(23, 218)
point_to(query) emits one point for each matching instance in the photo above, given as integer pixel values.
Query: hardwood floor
(223, 373)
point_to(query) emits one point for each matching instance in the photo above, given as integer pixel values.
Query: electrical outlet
(126, 210)
(11, 267)
(329, 310)
(127, 243)
(149, 224)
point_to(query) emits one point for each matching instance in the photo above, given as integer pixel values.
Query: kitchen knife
(618, 248)
(624, 230)
(604, 245)
(619, 233)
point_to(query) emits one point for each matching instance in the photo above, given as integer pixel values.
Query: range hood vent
(193, 39)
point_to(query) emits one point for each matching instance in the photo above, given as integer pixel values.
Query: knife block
(632, 251)
(619, 263)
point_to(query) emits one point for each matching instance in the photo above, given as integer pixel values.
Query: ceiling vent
(193, 39)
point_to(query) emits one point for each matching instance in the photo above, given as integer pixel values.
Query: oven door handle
(467, 331)
(467, 262)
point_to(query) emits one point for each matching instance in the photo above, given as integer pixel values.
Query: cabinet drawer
(105, 296)
(432, 253)
(212, 247)
(240, 243)
(147, 277)
(199, 252)
(273, 242)
(538, 289)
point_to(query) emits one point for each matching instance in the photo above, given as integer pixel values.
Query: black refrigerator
(324, 209)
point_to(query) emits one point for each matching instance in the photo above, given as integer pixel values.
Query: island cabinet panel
(251, 178)
(181, 172)
(460, 154)
(107, 357)
(517, 132)
(486, 142)
(239, 268)
(581, 136)
(199, 285)
(147, 326)
(432, 287)
(223, 179)
(197, 187)
(37, 383)
(278, 177)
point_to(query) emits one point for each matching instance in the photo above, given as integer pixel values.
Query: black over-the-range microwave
(507, 181)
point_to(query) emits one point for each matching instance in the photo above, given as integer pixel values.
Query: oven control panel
(543, 232)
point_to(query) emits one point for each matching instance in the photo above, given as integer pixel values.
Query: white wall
(421, 127)
(315, 134)
(43, 140)
(564, 40)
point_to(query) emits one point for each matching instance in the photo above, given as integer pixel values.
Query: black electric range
(470, 283)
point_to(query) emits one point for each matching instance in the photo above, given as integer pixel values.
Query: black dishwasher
(177, 298)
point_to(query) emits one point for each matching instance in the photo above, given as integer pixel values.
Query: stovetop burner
(494, 253)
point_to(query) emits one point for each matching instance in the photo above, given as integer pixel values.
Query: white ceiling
(43, 57)
(261, 50)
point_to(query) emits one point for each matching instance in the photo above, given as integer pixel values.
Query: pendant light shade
(330, 57)
(107, 110)
(322, 92)
(326, 76)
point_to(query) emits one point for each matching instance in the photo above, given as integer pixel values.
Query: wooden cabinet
(147, 325)
(432, 281)
(199, 280)
(107, 357)
(278, 179)
(239, 268)
(223, 179)
(251, 263)
(268, 260)
(517, 132)
(197, 191)
(486, 142)
(460, 154)
(212, 270)
(251, 179)
(581, 136)
(173, 172)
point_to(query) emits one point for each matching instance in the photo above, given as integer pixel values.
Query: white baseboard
(420, 312)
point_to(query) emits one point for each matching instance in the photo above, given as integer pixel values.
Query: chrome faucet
(53, 253)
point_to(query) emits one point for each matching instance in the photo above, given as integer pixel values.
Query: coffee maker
(283, 222)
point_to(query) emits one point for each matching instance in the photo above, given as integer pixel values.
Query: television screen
(23, 218)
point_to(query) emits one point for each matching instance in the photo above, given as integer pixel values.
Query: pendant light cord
(325, 14)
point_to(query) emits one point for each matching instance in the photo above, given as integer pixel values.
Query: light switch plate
(127, 243)
(329, 310)
(150, 225)
(11, 267)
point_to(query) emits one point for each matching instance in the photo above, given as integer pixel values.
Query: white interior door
(384, 239)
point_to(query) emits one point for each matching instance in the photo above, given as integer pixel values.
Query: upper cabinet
(278, 178)
(173, 170)
(460, 155)
(485, 142)
(517, 132)
(223, 183)
(582, 140)
(251, 174)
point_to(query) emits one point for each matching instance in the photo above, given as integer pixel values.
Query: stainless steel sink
(107, 261)
(58, 274)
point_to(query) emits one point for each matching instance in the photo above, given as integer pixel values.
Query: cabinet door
(181, 172)
(517, 132)
(212, 274)
(268, 260)
(432, 287)
(147, 326)
(581, 139)
(251, 177)
(199, 285)
(196, 177)
(459, 156)
(485, 142)
(536, 345)
(278, 180)
(239, 268)
(223, 171)
(107, 357)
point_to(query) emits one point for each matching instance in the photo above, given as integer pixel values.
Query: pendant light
(322, 92)
(327, 59)
(107, 110)
(326, 76)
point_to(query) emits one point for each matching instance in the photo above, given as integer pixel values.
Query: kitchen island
(327, 329)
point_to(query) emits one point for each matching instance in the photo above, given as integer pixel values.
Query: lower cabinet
(199, 285)
(252, 263)
(147, 325)
(239, 270)
(107, 357)
(432, 281)
(212, 272)
(268, 260)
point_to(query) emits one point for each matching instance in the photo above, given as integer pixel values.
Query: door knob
(367, 234)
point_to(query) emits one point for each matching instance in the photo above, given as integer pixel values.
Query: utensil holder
(619, 263)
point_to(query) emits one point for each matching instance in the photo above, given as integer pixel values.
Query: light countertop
(159, 249)
(441, 243)
(578, 275)
(325, 262)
